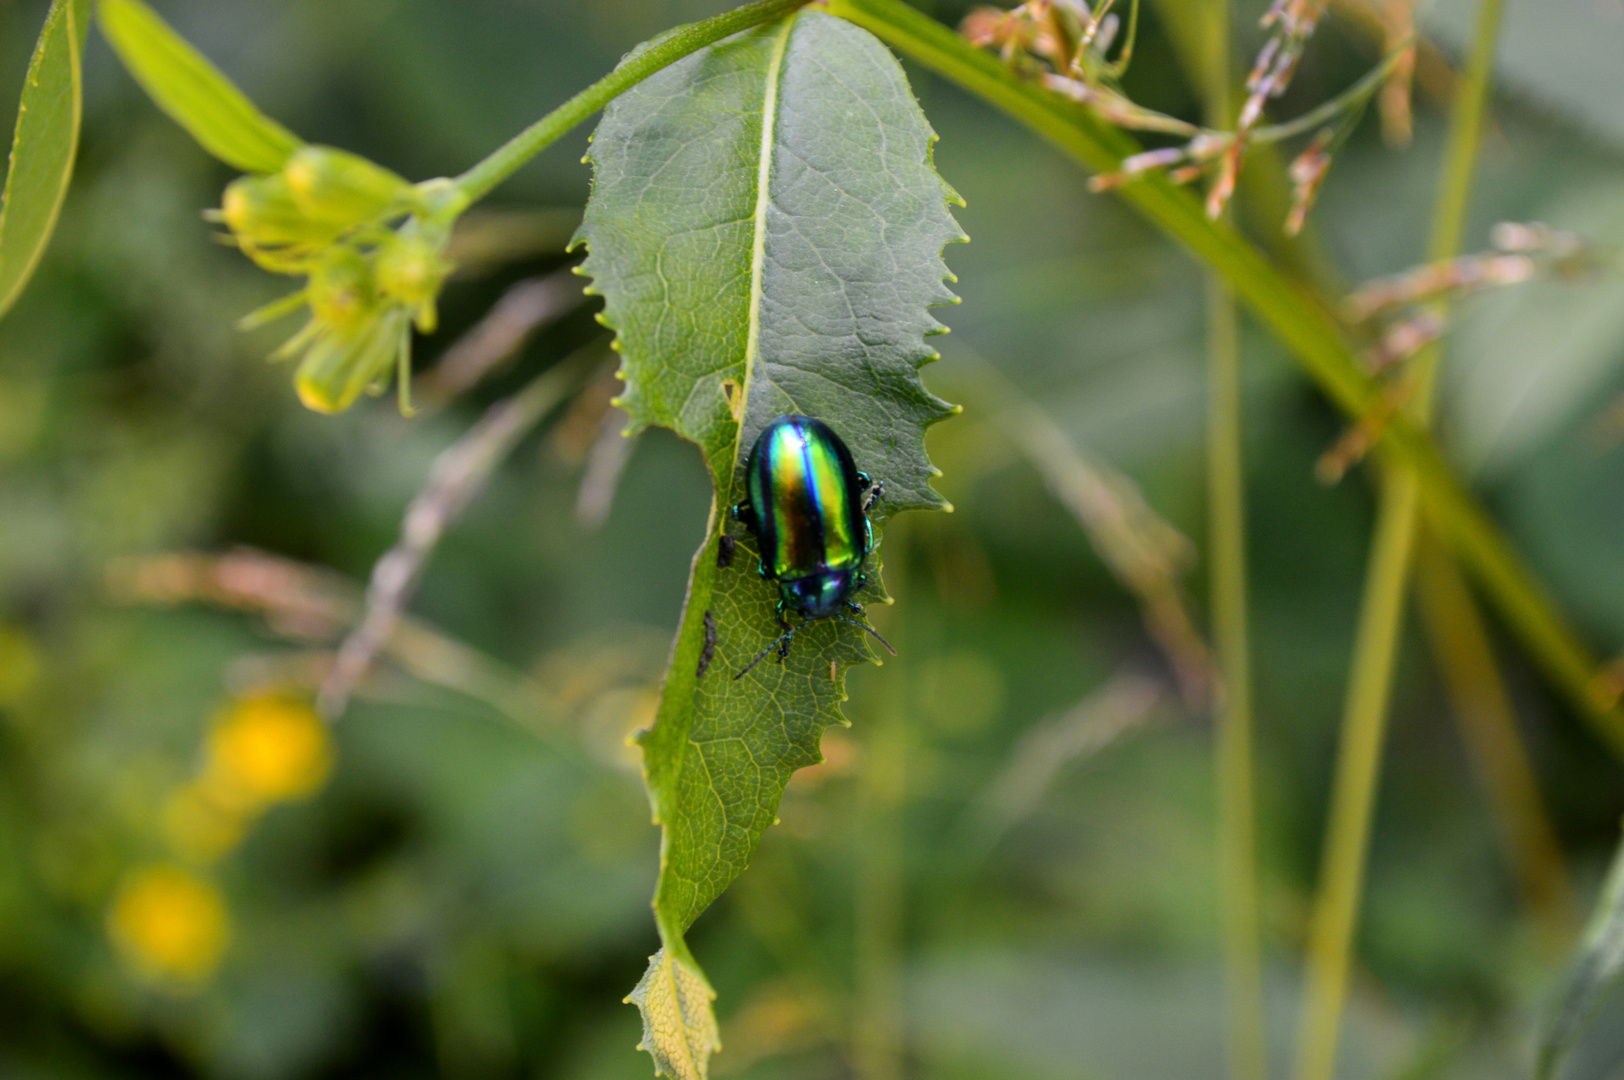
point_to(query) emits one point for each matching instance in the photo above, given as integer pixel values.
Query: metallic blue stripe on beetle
(807, 506)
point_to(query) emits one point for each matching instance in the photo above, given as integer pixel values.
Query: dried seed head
(989, 27)
(1405, 340)
(1307, 173)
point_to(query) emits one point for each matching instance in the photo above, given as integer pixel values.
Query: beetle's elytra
(807, 506)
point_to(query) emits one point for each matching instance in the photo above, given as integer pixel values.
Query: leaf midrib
(758, 244)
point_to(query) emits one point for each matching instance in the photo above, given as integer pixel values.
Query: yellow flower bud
(340, 188)
(340, 365)
(261, 211)
(342, 292)
(411, 271)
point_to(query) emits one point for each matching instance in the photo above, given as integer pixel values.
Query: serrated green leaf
(679, 1028)
(1597, 971)
(766, 228)
(194, 93)
(43, 148)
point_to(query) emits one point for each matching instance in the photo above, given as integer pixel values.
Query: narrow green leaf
(1597, 971)
(766, 227)
(193, 91)
(43, 148)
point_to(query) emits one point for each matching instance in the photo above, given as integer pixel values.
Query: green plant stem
(1353, 796)
(1232, 716)
(877, 1019)
(642, 62)
(1237, 843)
(1336, 908)
(1302, 323)
(1460, 644)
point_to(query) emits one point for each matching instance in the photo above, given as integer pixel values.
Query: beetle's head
(820, 595)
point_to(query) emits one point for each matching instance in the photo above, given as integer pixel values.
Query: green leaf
(1595, 974)
(679, 1029)
(766, 228)
(43, 148)
(193, 91)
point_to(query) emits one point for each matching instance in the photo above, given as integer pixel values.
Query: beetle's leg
(862, 624)
(789, 632)
(782, 645)
(742, 513)
(876, 488)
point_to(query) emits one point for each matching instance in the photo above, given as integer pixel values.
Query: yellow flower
(371, 245)
(265, 749)
(169, 925)
(285, 220)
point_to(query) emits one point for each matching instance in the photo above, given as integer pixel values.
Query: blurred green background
(1005, 868)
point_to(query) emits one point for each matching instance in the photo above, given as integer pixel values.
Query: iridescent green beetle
(805, 504)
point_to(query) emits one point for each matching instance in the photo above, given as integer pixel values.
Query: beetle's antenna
(870, 629)
(783, 639)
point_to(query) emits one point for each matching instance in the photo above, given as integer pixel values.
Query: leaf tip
(679, 1027)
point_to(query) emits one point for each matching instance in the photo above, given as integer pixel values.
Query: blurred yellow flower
(264, 749)
(169, 926)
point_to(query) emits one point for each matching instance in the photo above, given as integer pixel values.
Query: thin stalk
(657, 53)
(1336, 908)
(1232, 716)
(1237, 842)
(1488, 727)
(1301, 322)
(1353, 97)
(1353, 796)
(877, 1031)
